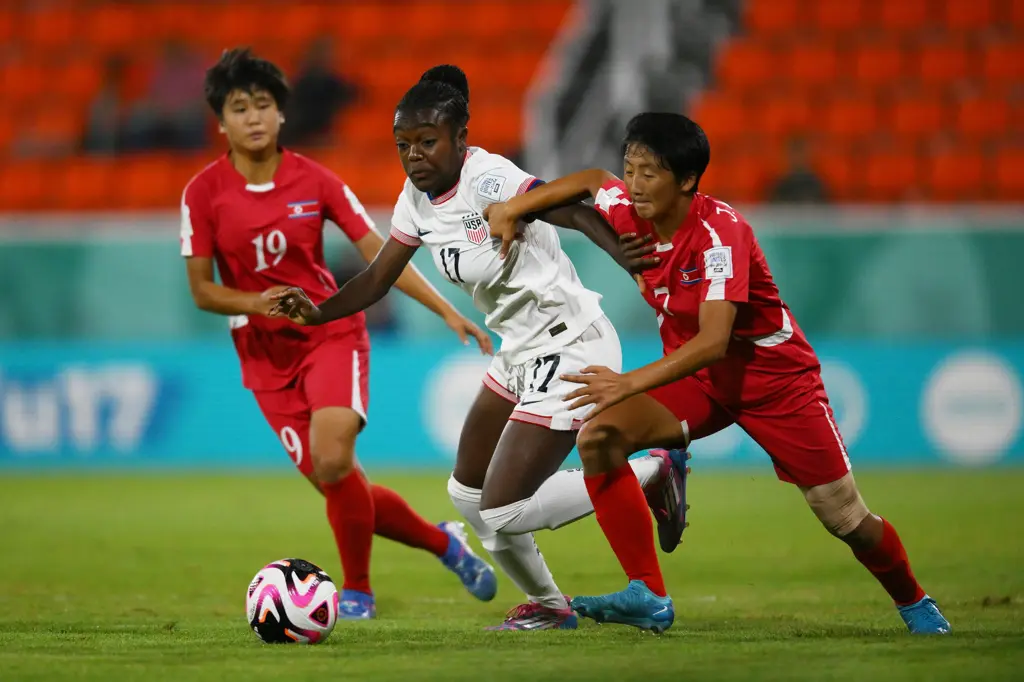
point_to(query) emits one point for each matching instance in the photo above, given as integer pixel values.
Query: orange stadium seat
(879, 64)
(1003, 63)
(850, 117)
(903, 16)
(968, 15)
(745, 64)
(86, 184)
(891, 173)
(838, 16)
(840, 172)
(812, 63)
(722, 116)
(1009, 174)
(773, 17)
(49, 28)
(115, 26)
(1016, 10)
(917, 116)
(983, 117)
(956, 174)
(27, 185)
(780, 114)
(8, 24)
(940, 64)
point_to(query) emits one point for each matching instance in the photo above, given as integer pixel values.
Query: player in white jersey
(519, 430)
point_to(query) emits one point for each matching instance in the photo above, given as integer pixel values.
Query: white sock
(559, 501)
(516, 555)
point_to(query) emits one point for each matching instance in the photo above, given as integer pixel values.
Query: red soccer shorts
(797, 429)
(335, 374)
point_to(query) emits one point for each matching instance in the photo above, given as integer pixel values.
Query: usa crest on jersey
(476, 228)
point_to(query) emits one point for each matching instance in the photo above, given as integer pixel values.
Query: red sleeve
(613, 202)
(196, 221)
(726, 257)
(342, 207)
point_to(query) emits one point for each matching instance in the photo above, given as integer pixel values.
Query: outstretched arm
(603, 387)
(358, 294)
(589, 222)
(415, 285)
(502, 217)
(222, 300)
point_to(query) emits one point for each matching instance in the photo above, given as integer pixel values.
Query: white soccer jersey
(533, 299)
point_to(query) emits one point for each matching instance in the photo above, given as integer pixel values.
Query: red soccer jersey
(715, 256)
(265, 235)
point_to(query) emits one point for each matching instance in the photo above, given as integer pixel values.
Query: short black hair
(240, 69)
(678, 143)
(444, 89)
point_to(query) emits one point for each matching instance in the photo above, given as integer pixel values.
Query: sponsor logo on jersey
(476, 229)
(718, 262)
(490, 187)
(303, 209)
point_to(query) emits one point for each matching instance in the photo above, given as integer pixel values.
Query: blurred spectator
(380, 317)
(800, 184)
(318, 95)
(103, 128)
(171, 115)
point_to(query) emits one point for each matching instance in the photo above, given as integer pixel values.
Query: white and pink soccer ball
(292, 600)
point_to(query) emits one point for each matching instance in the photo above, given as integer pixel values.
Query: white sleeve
(499, 180)
(403, 228)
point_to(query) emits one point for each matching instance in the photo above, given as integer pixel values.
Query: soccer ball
(292, 600)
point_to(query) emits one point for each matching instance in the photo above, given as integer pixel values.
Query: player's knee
(332, 445)
(838, 505)
(601, 445)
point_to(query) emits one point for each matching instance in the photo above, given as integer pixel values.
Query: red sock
(889, 563)
(395, 520)
(621, 511)
(350, 513)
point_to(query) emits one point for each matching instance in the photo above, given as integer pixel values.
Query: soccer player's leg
(799, 432)
(517, 555)
(662, 419)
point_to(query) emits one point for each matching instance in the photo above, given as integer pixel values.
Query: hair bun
(450, 75)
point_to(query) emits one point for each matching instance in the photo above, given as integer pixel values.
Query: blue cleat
(636, 605)
(667, 500)
(924, 618)
(355, 605)
(476, 574)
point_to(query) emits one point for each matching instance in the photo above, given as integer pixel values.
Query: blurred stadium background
(876, 146)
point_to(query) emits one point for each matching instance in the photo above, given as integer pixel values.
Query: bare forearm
(569, 189)
(358, 294)
(414, 285)
(222, 300)
(696, 354)
(589, 222)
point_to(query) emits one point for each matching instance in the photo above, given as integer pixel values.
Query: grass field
(110, 578)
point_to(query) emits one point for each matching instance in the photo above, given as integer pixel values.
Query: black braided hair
(444, 89)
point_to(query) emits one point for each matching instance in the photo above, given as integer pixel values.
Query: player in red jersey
(259, 212)
(733, 354)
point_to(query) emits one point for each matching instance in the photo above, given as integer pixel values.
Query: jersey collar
(284, 168)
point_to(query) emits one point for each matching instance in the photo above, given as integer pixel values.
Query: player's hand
(502, 222)
(601, 388)
(265, 303)
(465, 329)
(638, 250)
(293, 303)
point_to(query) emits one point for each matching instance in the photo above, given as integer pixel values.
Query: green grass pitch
(144, 577)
